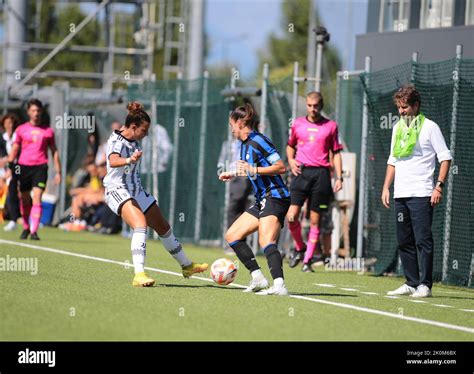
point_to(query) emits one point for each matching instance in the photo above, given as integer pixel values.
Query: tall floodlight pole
(311, 45)
(194, 66)
(322, 37)
(14, 32)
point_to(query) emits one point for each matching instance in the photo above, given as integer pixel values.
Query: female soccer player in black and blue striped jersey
(261, 163)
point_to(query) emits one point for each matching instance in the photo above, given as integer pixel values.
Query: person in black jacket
(8, 125)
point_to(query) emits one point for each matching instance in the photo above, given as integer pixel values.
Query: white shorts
(115, 198)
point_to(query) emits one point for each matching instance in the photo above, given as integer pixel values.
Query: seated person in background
(81, 177)
(100, 159)
(91, 195)
(3, 197)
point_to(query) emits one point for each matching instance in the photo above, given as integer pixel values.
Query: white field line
(325, 285)
(391, 297)
(333, 303)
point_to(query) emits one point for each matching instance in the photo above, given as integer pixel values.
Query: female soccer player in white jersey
(126, 197)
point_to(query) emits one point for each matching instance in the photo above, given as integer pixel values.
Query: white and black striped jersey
(126, 176)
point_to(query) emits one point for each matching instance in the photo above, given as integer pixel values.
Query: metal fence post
(294, 108)
(414, 62)
(202, 152)
(174, 166)
(452, 147)
(362, 213)
(338, 94)
(226, 165)
(60, 108)
(263, 106)
(154, 151)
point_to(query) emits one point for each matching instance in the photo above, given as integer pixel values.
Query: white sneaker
(10, 226)
(257, 284)
(422, 291)
(275, 290)
(403, 290)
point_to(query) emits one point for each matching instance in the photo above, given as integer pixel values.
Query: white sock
(139, 249)
(278, 282)
(256, 274)
(173, 246)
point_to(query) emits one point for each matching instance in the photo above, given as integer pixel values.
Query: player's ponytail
(136, 114)
(246, 114)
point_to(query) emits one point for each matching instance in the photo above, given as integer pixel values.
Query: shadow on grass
(321, 294)
(452, 297)
(167, 285)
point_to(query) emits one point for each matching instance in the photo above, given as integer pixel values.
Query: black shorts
(270, 206)
(32, 176)
(313, 183)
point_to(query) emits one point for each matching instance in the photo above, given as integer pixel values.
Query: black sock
(274, 260)
(245, 255)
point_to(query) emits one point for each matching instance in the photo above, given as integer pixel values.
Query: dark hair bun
(134, 106)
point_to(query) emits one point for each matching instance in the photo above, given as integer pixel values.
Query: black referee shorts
(313, 183)
(32, 176)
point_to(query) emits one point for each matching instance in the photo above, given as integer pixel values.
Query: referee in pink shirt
(32, 142)
(311, 139)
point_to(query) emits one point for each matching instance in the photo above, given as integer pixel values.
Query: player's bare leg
(134, 217)
(158, 222)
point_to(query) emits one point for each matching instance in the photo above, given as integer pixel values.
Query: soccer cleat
(319, 258)
(34, 236)
(274, 290)
(257, 284)
(194, 268)
(307, 268)
(10, 226)
(422, 291)
(142, 280)
(25, 234)
(296, 258)
(403, 290)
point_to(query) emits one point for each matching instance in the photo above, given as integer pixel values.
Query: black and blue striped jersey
(259, 151)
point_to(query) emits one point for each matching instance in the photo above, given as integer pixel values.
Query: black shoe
(24, 234)
(34, 236)
(296, 258)
(307, 268)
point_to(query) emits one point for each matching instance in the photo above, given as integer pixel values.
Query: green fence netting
(179, 111)
(279, 112)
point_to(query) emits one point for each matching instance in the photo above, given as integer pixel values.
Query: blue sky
(238, 29)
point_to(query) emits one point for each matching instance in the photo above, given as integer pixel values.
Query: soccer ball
(223, 271)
